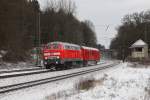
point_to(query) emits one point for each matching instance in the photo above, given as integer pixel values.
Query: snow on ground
(15, 66)
(122, 82)
(42, 91)
(125, 83)
(21, 79)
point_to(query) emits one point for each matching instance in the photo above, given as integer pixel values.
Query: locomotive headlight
(45, 63)
(46, 58)
(57, 57)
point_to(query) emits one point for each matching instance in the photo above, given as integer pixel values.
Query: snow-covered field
(122, 82)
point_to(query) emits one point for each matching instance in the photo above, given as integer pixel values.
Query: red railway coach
(90, 55)
(61, 53)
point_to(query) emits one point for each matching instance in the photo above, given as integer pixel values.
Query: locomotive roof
(70, 44)
(65, 43)
(84, 47)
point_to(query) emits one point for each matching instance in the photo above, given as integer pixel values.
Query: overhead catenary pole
(145, 33)
(39, 39)
(146, 27)
(39, 31)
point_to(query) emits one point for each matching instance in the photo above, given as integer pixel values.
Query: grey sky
(107, 12)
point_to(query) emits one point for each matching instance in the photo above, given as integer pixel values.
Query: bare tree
(67, 6)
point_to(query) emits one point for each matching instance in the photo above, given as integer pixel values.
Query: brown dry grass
(147, 90)
(85, 84)
(88, 84)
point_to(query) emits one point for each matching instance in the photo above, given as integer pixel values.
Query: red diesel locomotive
(56, 54)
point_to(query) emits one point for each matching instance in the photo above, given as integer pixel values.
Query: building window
(138, 49)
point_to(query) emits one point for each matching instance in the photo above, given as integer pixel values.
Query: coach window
(70, 47)
(77, 48)
(73, 48)
(66, 47)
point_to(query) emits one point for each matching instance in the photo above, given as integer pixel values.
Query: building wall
(142, 54)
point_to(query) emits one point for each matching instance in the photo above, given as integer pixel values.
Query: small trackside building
(139, 49)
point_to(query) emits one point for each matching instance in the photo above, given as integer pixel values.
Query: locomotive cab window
(56, 46)
(53, 46)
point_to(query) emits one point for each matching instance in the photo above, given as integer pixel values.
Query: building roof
(138, 43)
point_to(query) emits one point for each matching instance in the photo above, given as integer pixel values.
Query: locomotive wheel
(95, 62)
(81, 65)
(85, 63)
(47, 67)
(68, 65)
(59, 67)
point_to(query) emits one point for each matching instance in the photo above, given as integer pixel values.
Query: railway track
(17, 73)
(14, 87)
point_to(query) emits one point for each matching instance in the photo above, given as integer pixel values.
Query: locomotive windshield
(53, 46)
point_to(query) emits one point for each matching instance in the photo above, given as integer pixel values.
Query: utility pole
(39, 40)
(38, 32)
(146, 27)
(123, 47)
(145, 33)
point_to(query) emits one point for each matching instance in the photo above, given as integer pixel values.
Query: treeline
(58, 23)
(23, 24)
(134, 26)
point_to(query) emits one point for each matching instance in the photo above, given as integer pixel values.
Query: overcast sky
(107, 12)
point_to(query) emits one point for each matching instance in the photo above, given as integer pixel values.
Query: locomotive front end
(52, 54)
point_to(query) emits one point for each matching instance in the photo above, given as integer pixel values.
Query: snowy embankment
(5, 66)
(122, 82)
(125, 83)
